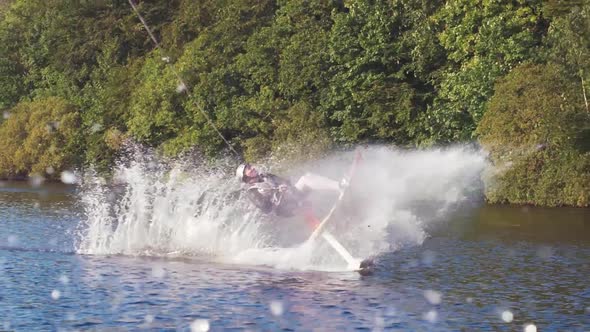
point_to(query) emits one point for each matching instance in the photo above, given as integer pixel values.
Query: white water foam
(172, 209)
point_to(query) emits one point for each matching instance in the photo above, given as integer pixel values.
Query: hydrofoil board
(364, 267)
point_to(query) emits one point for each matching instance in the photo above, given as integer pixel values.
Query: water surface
(486, 268)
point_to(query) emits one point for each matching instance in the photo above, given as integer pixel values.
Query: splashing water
(158, 210)
(174, 209)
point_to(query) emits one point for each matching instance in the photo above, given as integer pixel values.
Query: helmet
(240, 172)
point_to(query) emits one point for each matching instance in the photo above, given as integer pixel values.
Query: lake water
(483, 268)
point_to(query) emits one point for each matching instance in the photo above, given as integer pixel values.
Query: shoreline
(23, 179)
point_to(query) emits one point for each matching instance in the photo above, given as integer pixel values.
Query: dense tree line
(298, 77)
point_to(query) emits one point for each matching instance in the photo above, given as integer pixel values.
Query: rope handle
(186, 87)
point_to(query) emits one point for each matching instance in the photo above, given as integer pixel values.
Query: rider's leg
(309, 216)
(316, 182)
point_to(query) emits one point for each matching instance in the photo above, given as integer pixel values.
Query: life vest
(265, 194)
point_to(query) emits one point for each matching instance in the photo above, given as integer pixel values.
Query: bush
(532, 128)
(40, 137)
(301, 134)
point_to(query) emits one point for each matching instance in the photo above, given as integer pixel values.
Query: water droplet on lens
(432, 296)
(96, 127)
(55, 294)
(390, 311)
(276, 308)
(200, 325)
(158, 272)
(64, 279)
(379, 323)
(507, 316)
(545, 253)
(68, 177)
(12, 240)
(530, 328)
(430, 316)
(149, 319)
(428, 257)
(36, 180)
(152, 165)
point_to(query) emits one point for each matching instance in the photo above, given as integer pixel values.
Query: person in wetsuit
(273, 194)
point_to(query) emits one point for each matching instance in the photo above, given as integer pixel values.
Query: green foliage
(40, 135)
(301, 134)
(293, 78)
(79, 52)
(155, 104)
(545, 178)
(558, 8)
(302, 31)
(191, 19)
(534, 104)
(285, 66)
(208, 65)
(483, 41)
(106, 103)
(568, 43)
(369, 96)
(531, 129)
(11, 84)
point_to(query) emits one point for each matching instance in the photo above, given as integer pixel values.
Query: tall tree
(377, 91)
(568, 43)
(483, 40)
(531, 128)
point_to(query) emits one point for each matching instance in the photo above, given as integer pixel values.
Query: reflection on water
(493, 268)
(24, 198)
(39, 217)
(516, 223)
(569, 225)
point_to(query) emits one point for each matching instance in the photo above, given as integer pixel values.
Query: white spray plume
(154, 209)
(162, 208)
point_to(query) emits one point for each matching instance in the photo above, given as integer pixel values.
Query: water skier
(274, 194)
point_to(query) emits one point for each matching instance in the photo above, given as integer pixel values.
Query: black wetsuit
(265, 194)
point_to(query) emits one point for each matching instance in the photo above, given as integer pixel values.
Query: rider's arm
(262, 202)
(277, 180)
